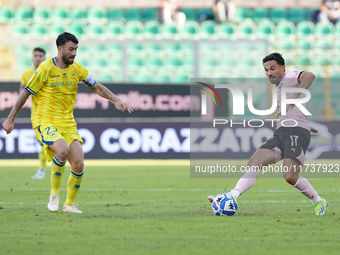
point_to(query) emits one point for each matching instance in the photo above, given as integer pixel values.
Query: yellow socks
(57, 171)
(42, 159)
(73, 186)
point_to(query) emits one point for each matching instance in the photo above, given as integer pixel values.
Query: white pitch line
(114, 189)
(140, 162)
(151, 190)
(104, 162)
(118, 203)
(161, 190)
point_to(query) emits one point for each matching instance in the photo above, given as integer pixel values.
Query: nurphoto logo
(238, 103)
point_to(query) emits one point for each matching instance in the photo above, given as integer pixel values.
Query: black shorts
(289, 142)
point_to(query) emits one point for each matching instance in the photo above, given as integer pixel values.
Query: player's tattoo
(21, 100)
(105, 92)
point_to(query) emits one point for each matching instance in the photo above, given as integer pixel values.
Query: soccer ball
(224, 204)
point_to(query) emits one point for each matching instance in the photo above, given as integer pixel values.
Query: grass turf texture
(153, 207)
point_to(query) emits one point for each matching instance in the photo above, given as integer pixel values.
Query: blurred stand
(224, 10)
(169, 13)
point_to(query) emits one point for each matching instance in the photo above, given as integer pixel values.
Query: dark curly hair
(274, 56)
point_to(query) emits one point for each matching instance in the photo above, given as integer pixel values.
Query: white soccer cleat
(71, 209)
(53, 204)
(40, 174)
(211, 198)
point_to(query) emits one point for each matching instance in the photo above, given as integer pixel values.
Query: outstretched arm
(8, 125)
(306, 79)
(103, 91)
(21, 87)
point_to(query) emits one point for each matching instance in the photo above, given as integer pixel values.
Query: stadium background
(153, 206)
(149, 64)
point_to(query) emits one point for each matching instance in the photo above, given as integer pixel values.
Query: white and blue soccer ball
(224, 204)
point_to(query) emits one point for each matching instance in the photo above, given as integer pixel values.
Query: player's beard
(66, 60)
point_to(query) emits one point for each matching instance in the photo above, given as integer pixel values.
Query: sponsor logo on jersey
(54, 76)
(63, 84)
(64, 75)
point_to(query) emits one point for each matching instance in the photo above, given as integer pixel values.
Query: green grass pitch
(154, 207)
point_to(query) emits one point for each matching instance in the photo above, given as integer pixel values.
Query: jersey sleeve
(293, 77)
(37, 80)
(26, 76)
(85, 77)
(299, 78)
(82, 72)
(23, 79)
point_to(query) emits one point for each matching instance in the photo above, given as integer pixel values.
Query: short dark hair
(40, 50)
(274, 56)
(65, 37)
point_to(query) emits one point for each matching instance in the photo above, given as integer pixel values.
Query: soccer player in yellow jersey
(38, 57)
(55, 85)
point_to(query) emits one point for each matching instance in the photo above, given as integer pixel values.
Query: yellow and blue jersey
(26, 76)
(55, 91)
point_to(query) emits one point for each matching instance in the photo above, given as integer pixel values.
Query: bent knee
(291, 180)
(62, 154)
(78, 166)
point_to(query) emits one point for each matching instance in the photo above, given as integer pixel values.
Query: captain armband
(89, 81)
